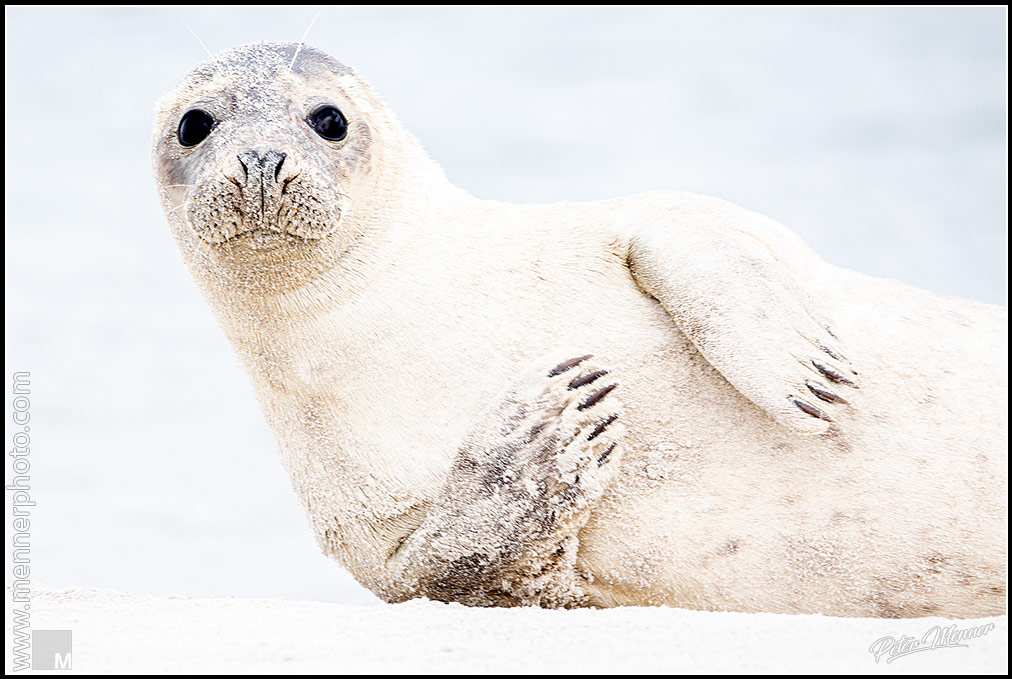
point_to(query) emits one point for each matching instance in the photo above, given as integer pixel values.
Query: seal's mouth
(225, 213)
(258, 239)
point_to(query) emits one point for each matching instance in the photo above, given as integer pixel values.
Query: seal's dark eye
(194, 127)
(329, 123)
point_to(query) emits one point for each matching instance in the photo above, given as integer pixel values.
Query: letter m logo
(52, 649)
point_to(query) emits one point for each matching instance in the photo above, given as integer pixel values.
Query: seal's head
(250, 144)
(274, 159)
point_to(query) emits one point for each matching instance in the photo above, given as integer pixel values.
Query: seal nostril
(247, 158)
(281, 161)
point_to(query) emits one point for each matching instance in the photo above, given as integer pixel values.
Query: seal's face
(251, 148)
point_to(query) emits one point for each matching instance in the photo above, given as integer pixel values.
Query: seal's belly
(716, 506)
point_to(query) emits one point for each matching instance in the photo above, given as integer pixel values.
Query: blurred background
(879, 135)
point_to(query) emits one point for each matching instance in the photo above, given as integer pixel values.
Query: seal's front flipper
(504, 529)
(732, 281)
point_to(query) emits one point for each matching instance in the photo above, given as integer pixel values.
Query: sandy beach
(116, 632)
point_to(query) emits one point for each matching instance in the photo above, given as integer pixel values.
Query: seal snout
(263, 166)
(261, 190)
(261, 187)
(264, 189)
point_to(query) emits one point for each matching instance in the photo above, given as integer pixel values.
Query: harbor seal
(663, 399)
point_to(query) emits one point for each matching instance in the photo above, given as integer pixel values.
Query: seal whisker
(197, 37)
(347, 198)
(291, 66)
(183, 204)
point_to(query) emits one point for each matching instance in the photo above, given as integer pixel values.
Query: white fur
(374, 354)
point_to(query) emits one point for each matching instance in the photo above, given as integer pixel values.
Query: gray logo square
(51, 649)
